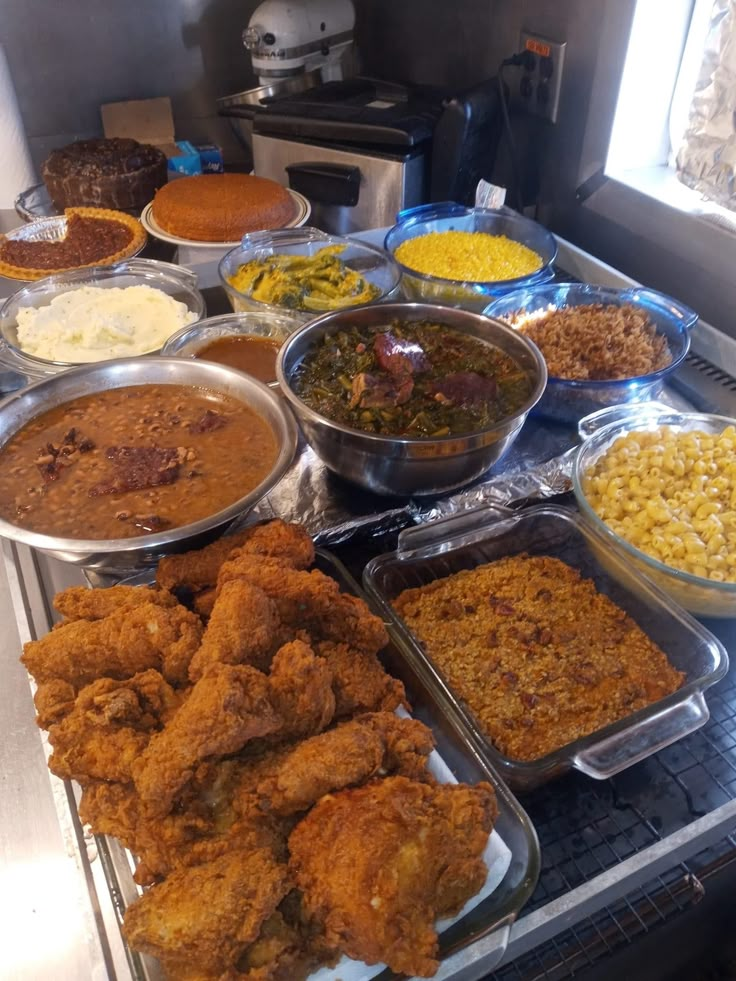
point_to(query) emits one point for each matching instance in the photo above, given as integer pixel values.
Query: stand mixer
(294, 45)
(289, 37)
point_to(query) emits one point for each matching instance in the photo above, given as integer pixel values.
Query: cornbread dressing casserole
(538, 655)
(221, 207)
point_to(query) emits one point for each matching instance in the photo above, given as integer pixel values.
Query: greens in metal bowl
(418, 379)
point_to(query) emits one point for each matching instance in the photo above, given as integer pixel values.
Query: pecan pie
(94, 237)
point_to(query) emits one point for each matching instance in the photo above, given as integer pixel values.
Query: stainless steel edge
(544, 923)
(54, 908)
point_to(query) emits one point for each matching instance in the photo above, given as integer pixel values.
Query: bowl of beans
(111, 465)
(603, 346)
(464, 257)
(661, 486)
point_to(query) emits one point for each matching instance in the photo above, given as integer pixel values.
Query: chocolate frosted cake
(115, 173)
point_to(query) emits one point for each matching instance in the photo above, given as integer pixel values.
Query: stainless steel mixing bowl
(399, 465)
(129, 554)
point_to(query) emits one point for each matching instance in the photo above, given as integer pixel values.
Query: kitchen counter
(59, 919)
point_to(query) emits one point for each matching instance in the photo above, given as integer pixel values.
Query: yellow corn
(468, 256)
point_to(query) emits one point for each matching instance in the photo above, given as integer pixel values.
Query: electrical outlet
(540, 81)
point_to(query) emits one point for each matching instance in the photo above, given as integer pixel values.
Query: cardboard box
(151, 121)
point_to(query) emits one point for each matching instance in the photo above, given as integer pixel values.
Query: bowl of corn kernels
(464, 257)
(661, 486)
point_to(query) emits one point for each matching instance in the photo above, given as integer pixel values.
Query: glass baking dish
(488, 924)
(467, 540)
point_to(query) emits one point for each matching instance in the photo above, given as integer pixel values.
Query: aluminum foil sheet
(706, 161)
(537, 466)
(333, 511)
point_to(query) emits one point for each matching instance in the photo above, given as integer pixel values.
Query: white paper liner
(497, 857)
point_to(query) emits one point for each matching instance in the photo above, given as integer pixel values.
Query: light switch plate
(539, 85)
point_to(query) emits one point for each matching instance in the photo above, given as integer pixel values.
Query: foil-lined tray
(334, 511)
(536, 467)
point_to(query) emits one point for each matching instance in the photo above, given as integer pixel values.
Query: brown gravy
(254, 355)
(133, 461)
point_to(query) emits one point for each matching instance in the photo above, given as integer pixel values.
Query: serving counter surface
(606, 846)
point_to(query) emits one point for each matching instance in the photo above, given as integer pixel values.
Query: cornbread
(468, 256)
(538, 655)
(596, 341)
(673, 495)
(221, 207)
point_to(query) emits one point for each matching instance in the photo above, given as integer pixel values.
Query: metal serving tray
(487, 926)
(469, 540)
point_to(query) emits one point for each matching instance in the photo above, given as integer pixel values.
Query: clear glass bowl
(175, 281)
(703, 597)
(467, 540)
(372, 263)
(567, 400)
(447, 217)
(189, 341)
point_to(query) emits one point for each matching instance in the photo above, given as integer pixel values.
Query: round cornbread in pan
(221, 207)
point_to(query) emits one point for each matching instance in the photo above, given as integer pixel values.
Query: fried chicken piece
(199, 920)
(119, 646)
(377, 865)
(82, 603)
(343, 757)
(279, 540)
(359, 681)
(204, 827)
(109, 727)
(323, 764)
(228, 706)
(301, 690)
(309, 601)
(53, 700)
(408, 743)
(244, 628)
(198, 570)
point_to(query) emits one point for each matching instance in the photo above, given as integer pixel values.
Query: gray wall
(70, 56)
(67, 57)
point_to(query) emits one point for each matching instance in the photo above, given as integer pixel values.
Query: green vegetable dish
(319, 282)
(419, 379)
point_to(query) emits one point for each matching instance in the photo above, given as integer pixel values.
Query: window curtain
(706, 160)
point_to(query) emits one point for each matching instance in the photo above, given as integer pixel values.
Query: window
(662, 64)
(640, 218)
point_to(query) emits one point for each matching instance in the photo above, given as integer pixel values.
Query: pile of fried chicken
(235, 729)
